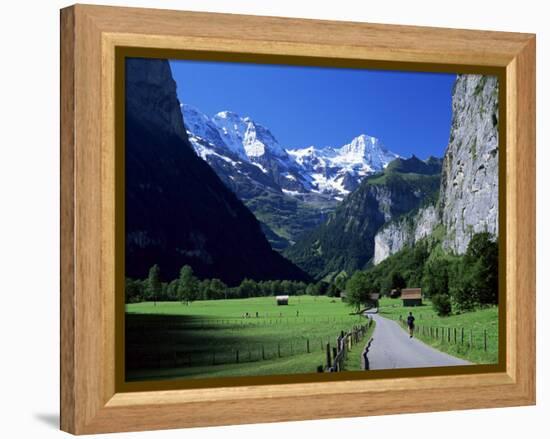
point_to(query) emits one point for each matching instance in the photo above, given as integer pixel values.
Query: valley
(224, 225)
(289, 190)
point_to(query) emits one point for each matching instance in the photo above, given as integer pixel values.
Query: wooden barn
(411, 296)
(281, 300)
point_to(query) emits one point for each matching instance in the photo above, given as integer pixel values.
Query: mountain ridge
(178, 211)
(332, 171)
(345, 242)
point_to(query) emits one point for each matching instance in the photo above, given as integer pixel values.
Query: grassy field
(214, 338)
(474, 323)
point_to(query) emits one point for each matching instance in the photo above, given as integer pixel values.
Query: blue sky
(409, 112)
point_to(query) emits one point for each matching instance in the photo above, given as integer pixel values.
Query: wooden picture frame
(92, 400)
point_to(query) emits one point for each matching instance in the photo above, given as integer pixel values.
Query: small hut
(411, 296)
(282, 300)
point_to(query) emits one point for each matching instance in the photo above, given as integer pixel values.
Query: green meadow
(215, 338)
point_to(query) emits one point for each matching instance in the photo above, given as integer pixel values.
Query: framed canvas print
(268, 219)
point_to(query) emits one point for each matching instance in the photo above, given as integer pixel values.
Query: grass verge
(470, 329)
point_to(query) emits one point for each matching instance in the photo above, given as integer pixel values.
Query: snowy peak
(331, 171)
(360, 145)
(367, 150)
(338, 170)
(199, 125)
(258, 141)
(244, 134)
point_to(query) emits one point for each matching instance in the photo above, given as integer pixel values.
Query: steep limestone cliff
(468, 194)
(469, 182)
(406, 230)
(345, 242)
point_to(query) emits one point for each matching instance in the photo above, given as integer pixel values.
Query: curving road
(392, 348)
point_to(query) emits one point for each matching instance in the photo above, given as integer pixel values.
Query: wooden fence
(336, 357)
(138, 357)
(138, 324)
(452, 335)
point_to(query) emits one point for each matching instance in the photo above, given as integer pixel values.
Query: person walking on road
(410, 324)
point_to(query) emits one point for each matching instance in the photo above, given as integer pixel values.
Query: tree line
(452, 282)
(188, 288)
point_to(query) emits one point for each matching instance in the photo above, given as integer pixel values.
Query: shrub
(442, 304)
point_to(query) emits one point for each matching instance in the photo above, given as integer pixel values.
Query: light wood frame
(90, 402)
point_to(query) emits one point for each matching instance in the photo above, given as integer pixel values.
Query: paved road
(392, 348)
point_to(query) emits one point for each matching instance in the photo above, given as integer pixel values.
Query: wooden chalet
(411, 296)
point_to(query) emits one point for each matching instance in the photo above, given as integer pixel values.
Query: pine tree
(154, 286)
(188, 285)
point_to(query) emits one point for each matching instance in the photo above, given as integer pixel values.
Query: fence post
(454, 331)
(471, 339)
(462, 336)
(328, 355)
(263, 353)
(485, 340)
(279, 349)
(307, 345)
(449, 335)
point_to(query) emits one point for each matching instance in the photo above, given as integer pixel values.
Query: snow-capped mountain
(289, 191)
(339, 171)
(242, 141)
(246, 136)
(239, 141)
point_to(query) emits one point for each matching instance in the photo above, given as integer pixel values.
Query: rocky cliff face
(469, 181)
(178, 211)
(150, 86)
(468, 194)
(404, 231)
(345, 242)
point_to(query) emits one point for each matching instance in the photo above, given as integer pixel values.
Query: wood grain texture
(523, 225)
(375, 41)
(89, 36)
(67, 254)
